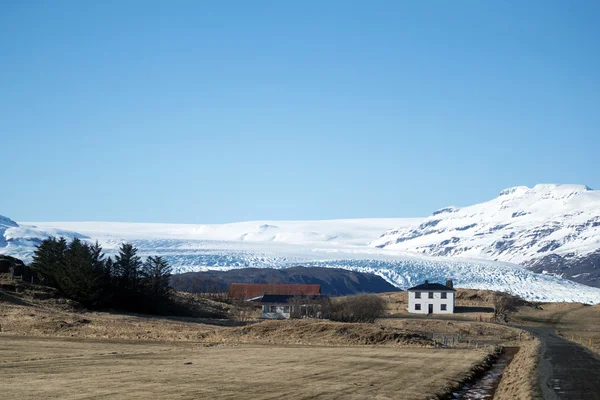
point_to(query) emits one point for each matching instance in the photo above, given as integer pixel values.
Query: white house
(431, 298)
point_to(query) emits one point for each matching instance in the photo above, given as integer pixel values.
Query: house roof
(250, 290)
(432, 286)
(286, 298)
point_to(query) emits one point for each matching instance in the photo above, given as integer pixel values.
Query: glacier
(281, 244)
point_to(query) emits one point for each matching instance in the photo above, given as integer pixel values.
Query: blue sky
(206, 112)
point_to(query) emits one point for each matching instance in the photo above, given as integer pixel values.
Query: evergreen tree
(49, 259)
(127, 267)
(155, 274)
(83, 273)
(97, 257)
(74, 282)
(76, 269)
(109, 268)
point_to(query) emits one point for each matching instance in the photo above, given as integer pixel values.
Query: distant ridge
(333, 281)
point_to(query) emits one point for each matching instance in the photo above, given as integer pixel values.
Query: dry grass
(136, 356)
(322, 333)
(37, 311)
(43, 320)
(582, 326)
(473, 330)
(74, 369)
(520, 378)
(574, 321)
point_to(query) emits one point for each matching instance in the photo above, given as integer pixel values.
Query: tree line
(82, 272)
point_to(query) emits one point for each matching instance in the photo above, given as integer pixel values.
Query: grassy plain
(51, 348)
(60, 368)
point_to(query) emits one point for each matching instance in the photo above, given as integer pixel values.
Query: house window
(444, 295)
(417, 307)
(443, 307)
(417, 295)
(431, 295)
(273, 308)
(286, 309)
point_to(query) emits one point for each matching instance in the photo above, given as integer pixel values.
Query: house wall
(276, 311)
(437, 301)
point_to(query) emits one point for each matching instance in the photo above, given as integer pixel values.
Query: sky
(224, 111)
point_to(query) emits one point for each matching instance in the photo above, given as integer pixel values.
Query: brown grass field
(51, 348)
(58, 368)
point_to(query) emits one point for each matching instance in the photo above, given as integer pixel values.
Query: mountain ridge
(527, 226)
(517, 211)
(333, 281)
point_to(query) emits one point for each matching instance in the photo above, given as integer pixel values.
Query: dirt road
(567, 370)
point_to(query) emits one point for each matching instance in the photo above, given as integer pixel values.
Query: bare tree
(359, 308)
(504, 304)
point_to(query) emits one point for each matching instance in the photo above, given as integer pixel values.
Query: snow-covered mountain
(20, 241)
(522, 225)
(282, 244)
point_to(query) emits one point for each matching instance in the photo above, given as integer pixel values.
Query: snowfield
(520, 225)
(281, 244)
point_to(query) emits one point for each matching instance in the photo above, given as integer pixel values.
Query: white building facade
(276, 311)
(283, 306)
(431, 298)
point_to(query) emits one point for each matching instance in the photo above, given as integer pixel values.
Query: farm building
(252, 291)
(285, 306)
(431, 298)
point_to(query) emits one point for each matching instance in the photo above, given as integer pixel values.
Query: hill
(333, 281)
(9, 264)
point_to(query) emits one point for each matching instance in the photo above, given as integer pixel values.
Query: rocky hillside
(583, 269)
(333, 281)
(550, 228)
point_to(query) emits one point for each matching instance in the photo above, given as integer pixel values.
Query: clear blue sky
(198, 111)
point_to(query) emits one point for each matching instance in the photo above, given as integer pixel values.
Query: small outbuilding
(286, 306)
(431, 298)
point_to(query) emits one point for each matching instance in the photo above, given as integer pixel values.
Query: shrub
(244, 311)
(359, 308)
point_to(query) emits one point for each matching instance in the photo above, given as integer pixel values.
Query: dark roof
(285, 298)
(431, 286)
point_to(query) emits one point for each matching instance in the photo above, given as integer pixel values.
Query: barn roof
(249, 290)
(431, 286)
